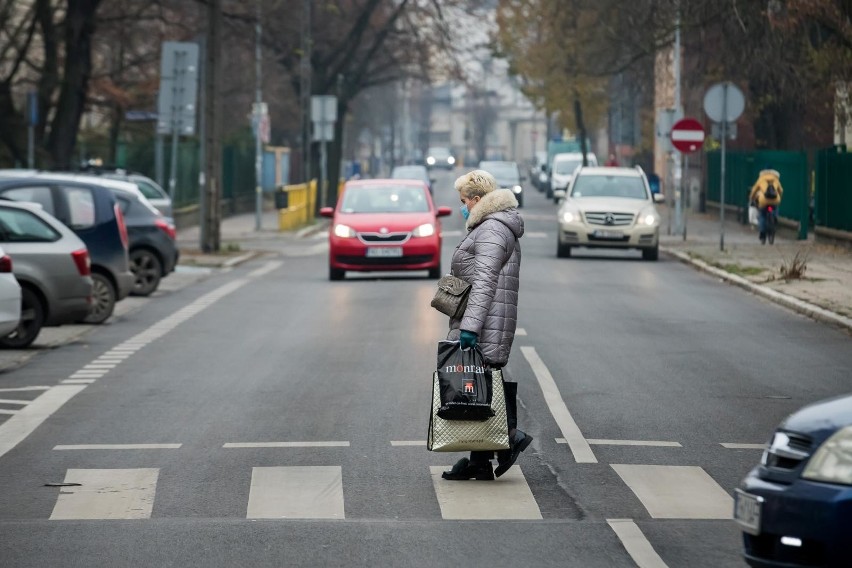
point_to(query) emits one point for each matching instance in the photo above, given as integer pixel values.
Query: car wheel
(103, 299)
(335, 273)
(651, 254)
(563, 251)
(30, 324)
(520, 201)
(549, 192)
(147, 269)
(435, 272)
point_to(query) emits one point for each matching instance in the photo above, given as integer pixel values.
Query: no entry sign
(687, 135)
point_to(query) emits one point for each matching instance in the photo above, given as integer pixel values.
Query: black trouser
(511, 390)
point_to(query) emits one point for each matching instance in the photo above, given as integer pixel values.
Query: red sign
(687, 135)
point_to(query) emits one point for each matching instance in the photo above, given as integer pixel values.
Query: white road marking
(734, 446)
(508, 497)
(408, 442)
(286, 445)
(21, 425)
(24, 389)
(535, 235)
(677, 492)
(266, 269)
(4, 411)
(452, 233)
(107, 494)
(117, 447)
(637, 546)
(600, 442)
(12, 401)
(87, 375)
(296, 492)
(78, 381)
(570, 431)
(96, 366)
(521, 332)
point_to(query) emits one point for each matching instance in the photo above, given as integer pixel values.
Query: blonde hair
(475, 184)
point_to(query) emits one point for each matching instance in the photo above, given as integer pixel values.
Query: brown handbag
(451, 296)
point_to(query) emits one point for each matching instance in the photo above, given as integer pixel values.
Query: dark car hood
(821, 419)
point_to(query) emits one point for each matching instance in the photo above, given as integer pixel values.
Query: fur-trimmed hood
(501, 205)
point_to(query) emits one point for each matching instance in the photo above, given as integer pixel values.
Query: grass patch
(741, 270)
(794, 268)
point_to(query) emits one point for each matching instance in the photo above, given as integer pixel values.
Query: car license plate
(602, 234)
(747, 510)
(384, 252)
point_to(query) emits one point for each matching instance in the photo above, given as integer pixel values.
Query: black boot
(466, 469)
(518, 440)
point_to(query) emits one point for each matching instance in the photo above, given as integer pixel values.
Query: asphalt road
(289, 413)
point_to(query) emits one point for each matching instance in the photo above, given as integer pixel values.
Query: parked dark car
(93, 213)
(51, 265)
(795, 507)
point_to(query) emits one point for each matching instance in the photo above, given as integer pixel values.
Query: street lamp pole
(258, 118)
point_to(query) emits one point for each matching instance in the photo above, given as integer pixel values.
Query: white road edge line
(23, 389)
(266, 269)
(4, 411)
(408, 442)
(78, 381)
(637, 546)
(117, 447)
(570, 431)
(652, 443)
(16, 429)
(12, 401)
(286, 445)
(735, 446)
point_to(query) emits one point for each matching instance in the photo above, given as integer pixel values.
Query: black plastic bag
(465, 381)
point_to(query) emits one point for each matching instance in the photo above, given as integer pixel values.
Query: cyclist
(766, 193)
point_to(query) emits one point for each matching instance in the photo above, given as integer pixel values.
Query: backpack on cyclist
(771, 192)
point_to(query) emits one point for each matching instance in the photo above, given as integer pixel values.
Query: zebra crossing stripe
(107, 494)
(296, 492)
(677, 491)
(508, 497)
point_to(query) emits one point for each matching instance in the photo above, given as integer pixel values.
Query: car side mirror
(559, 194)
(659, 198)
(444, 211)
(327, 212)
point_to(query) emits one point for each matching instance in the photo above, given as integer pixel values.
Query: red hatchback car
(383, 225)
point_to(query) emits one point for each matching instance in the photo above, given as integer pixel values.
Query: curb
(231, 262)
(311, 230)
(789, 302)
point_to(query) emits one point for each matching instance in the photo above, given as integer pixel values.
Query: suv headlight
(344, 231)
(517, 189)
(569, 216)
(424, 230)
(832, 462)
(451, 160)
(648, 218)
(430, 160)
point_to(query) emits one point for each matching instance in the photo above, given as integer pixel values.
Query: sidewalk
(823, 291)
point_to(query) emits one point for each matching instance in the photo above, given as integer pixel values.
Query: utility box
(281, 199)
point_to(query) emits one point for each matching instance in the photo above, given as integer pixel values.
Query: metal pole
(31, 146)
(202, 140)
(258, 150)
(306, 88)
(678, 173)
(684, 177)
(159, 167)
(323, 166)
(176, 106)
(724, 132)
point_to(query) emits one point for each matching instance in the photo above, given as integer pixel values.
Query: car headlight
(424, 230)
(648, 218)
(570, 216)
(430, 160)
(344, 231)
(832, 462)
(517, 189)
(451, 160)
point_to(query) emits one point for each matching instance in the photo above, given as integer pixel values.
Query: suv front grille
(609, 219)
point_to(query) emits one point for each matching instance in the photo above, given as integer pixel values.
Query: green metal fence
(834, 188)
(742, 169)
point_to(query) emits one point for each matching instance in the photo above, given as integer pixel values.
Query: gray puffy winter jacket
(489, 258)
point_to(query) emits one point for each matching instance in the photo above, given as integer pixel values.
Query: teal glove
(467, 339)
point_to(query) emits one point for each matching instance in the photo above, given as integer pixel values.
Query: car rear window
(81, 207)
(384, 199)
(19, 226)
(33, 194)
(630, 187)
(149, 190)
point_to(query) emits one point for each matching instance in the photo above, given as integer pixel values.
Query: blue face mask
(464, 211)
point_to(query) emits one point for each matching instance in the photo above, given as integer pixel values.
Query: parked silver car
(10, 296)
(52, 266)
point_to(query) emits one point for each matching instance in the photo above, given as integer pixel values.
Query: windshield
(630, 187)
(438, 152)
(503, 173)
(566, 167)
(384, 199)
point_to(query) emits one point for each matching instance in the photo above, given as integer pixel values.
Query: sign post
(32, 121)
(723, 103)
(687, 137)
(323, 115)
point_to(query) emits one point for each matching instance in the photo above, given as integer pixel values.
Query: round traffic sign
(724, 102)
(687, 135)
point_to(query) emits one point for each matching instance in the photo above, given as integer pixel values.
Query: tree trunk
(14, 128)
(79, 28)
(581, 128)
